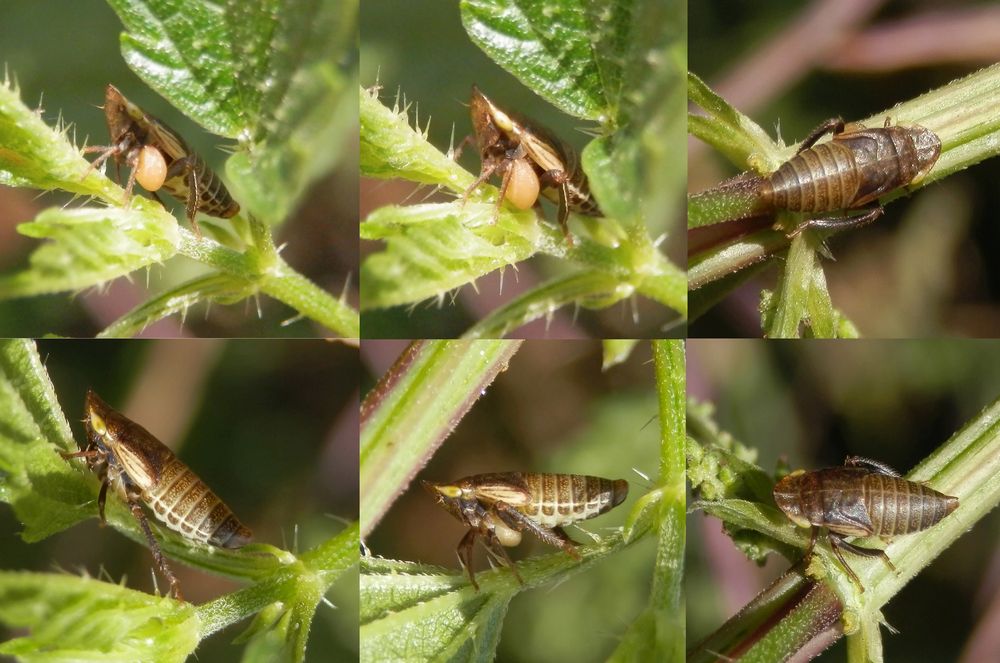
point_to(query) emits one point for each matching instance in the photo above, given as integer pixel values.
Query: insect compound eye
(450, 491)
(97, 423)
(151, 168)
(523, 188)
(502, 120)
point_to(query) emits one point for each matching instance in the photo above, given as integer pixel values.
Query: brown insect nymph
(862, 498)
(159, 158)
(498, 507)
(850, 172)
(530, 160)
(142, 470)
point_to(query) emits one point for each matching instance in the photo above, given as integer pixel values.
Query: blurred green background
(552, 410)
(924, 269)
(270, 426)
(64, 53)
(814, 402)
(421, 51)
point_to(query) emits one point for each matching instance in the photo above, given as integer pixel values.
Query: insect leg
(498, 553)
(840, 222)
(194, 193)
(867, 552)
(484, 174)
(185, 168)
(464, 551)
(86, 453)
(106, 151)
(102, 497)
(554, 537)
(832, 126)
(812, 542)
(456, 152)
(506, 168)
(560, 179)
(836, 543)
(154, 548)
(508, 172)
(860, 461)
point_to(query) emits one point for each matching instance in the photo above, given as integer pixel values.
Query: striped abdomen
(897, 506)
(855, 501)
(820, 179)
(580, 199)
(563, 499)
(186, 505)
(213, 197)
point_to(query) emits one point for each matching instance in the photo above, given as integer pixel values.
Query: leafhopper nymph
(160, 159)
(530, 161)
(498, 507)
(142, 470)
(862, 498)
(850, 172)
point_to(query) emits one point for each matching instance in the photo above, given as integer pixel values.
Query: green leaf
(90, 246)
(391, 148)
(280, 630)
(415, 612)
(46, 494)
(409, 614)
(614, 162)
(555, 54)
(214, 287)
(414, 407)
(264, 73)
(80, 619)
(729, 131)
(616, 352)
(596, 288)
(33, 154)
(653, 107)
(434, 248)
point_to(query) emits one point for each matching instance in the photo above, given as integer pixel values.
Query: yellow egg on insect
(150, 168)
(523, 187)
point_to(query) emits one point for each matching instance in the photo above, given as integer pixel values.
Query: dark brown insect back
(142, 470)
(187, 178)
(527, 157)
(862, 498)
(498, 507)
(852, 170)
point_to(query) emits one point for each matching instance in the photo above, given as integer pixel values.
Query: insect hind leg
(837, 544)
(554, 536)
(839, 223)
(464, 551)
(497, 552)
(185, 168)
(861, 461)
(834, 125)
(154, 548)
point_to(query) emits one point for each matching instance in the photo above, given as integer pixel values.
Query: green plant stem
(273, 276)
(288, 286)
(414, 407)
(669, 286)
(308, 577)
(667, 596)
